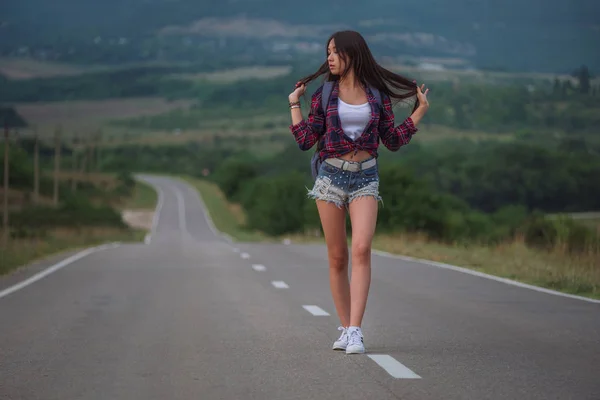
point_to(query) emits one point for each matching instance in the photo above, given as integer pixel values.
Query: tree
(583, 76)
(10, 118)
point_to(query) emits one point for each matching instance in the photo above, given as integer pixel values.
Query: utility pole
(84, 158)
(75, 179)
(36, 167)
(56, 162)
(90, 154)
(5, 205)
(98, 149)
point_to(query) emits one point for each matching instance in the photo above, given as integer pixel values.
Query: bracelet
(295, 106)
(294, 103)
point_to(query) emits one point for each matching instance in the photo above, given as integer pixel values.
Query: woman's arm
(307, 132)
(395, 137)
(418, 114)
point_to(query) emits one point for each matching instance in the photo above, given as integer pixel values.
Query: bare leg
(363, 216)
(333, 220)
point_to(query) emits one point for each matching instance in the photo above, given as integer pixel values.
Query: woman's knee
(338, 259)
(361, 251)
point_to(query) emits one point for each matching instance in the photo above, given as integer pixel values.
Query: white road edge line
(259, 267)
(207, 216)
(393, 367)
(55, 268)
(316, 311)
(181, 210)
(280, 284)
(245, 256)
(483, 275)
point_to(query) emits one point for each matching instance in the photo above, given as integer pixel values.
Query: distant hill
(529, 35)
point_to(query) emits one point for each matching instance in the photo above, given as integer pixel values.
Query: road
(190, 315)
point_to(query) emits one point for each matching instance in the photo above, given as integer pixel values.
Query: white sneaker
(342, 341)
(355, 341)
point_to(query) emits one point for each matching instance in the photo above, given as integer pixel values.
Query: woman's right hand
(422, 96)
(299, 91)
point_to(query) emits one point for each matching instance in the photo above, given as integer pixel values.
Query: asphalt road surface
(190, 315)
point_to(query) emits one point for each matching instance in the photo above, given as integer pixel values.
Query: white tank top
(354, 118)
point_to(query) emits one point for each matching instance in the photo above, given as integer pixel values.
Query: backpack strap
(377, 95)
(325, 95)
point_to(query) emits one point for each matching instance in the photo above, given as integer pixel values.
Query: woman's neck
(349, 82)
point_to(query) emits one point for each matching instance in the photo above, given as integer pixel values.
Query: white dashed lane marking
(316, 310)
(259, 267)
(280, 284)
(393, 367)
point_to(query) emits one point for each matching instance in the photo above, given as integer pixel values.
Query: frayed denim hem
(326, 197)
(323, 190)
(371, 189)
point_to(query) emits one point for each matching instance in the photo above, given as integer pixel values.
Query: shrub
(276, 205)
(233, 174)
(412, 205)
(76, 211)
(559, 233)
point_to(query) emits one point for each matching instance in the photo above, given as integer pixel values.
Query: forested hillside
(529, 35)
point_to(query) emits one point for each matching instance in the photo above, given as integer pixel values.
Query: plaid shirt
(336, 143)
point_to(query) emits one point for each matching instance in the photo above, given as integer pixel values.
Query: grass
(236, 74)
(28, 68)
(138, 210)
(24, 251)
(80, 116)
(590, 219)
(144, 197)
(228, 218)
(554, 269)
(513, 260)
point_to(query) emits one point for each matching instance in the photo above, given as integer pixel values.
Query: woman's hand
(422, 96)
(299, 91)
(423, 105)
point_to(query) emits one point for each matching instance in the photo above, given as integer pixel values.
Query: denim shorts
(338, 186)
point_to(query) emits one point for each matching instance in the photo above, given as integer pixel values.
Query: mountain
(529, 35)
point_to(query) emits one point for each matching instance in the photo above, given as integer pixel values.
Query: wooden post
(5, 205)
(98, 145)
(90, 167)
(75, 179)
(84, 157)
(56, 163)
(36, 167)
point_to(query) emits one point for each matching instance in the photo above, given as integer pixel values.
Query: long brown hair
(353, 49)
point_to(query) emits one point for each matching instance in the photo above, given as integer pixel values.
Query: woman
(350, 128)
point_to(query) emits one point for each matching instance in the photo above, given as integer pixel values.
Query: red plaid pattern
(380, 127)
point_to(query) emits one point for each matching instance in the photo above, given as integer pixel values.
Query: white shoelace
(354, 338)
(341, 328)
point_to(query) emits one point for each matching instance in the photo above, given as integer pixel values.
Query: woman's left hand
(422, 96)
